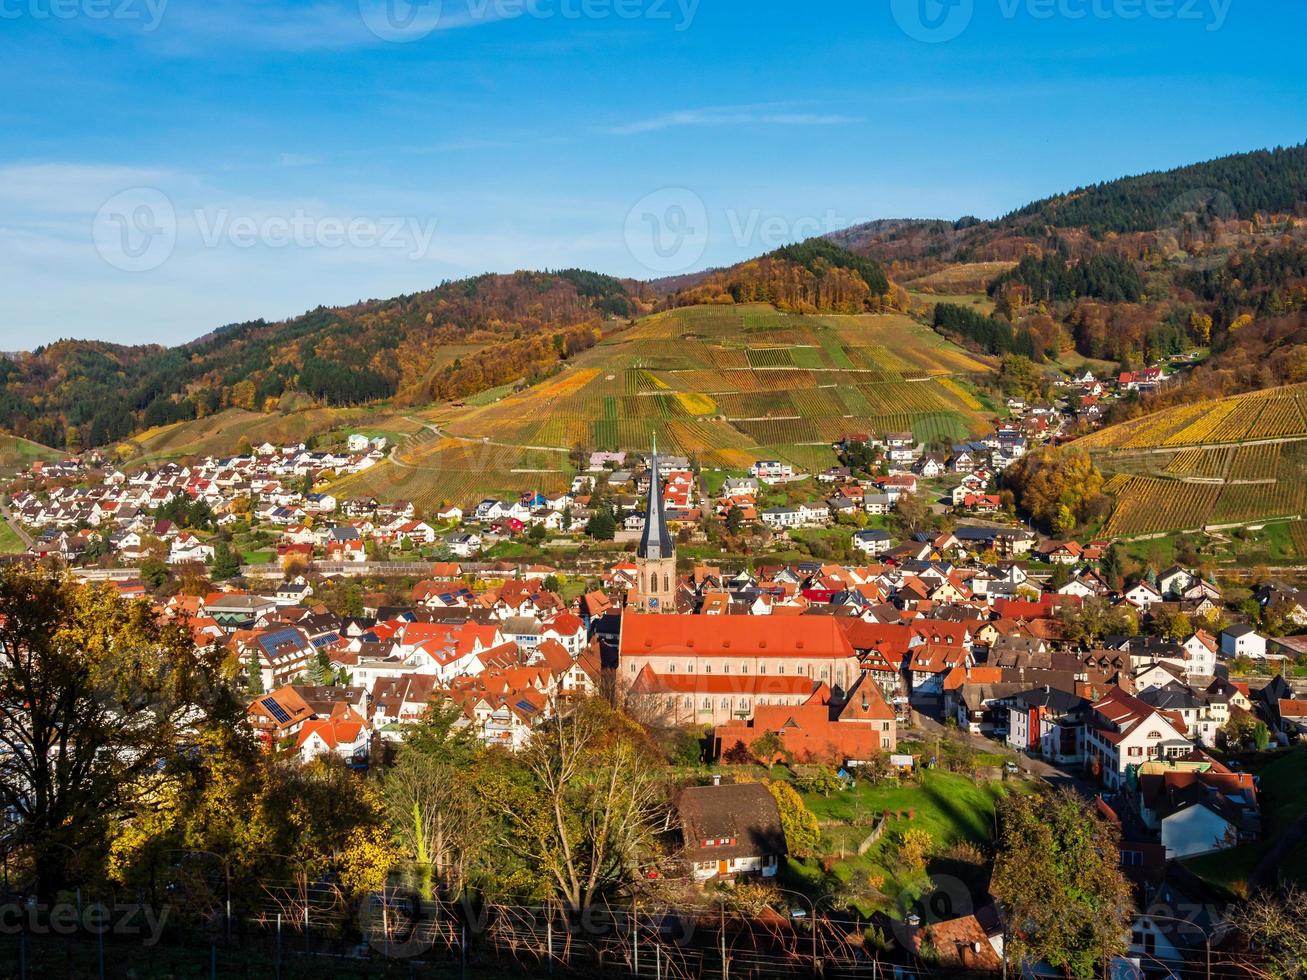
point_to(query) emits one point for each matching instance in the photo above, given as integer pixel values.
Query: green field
(951, 807)
(17, 454)
(10, 543)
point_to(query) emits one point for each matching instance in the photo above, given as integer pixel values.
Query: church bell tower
(655, 590)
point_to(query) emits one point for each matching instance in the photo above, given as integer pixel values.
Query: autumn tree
(1057, 874)
(1056, 487)
(1275, 924)
(802, 832)
(97, 699)
(434, 805)
(586, 812)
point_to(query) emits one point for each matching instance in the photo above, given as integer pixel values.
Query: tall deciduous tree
(97, 699)
(435, 805)
(588, 815)
(1058, 876)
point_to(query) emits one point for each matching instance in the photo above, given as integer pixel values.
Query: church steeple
(655, 542)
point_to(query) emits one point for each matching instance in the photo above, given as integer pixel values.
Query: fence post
(726, 970)
(278, 946)
(635, 937)
(549, 936)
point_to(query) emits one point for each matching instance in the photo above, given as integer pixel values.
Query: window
(1136, 750)
(707, 704)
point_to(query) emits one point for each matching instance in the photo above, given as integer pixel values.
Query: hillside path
(18, 529)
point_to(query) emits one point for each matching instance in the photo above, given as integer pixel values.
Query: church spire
(655, 542)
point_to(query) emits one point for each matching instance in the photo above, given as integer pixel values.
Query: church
(655, 589)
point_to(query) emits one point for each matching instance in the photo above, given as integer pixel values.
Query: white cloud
(773, 114)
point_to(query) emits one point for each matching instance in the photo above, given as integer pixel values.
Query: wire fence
(302, 925)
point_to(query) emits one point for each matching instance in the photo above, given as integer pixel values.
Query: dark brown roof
(744, 812)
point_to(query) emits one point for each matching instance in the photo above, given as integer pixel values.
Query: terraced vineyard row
(1203, 463)
(1274, 414)
(1146, 505)
(724, 384)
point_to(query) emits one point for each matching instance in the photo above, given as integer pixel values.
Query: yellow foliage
(367, 859)
(696, 403)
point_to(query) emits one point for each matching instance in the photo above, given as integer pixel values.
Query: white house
(1123, 732)
(346, 737)
(1242, 640)
(873, 542)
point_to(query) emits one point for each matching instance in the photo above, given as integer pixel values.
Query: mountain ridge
(1112, 288)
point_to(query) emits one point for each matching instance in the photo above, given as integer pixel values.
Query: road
(18, 529)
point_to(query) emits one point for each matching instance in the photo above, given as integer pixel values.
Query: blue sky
(168, 166)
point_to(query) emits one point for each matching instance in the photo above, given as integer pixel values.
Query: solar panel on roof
(526, 705)
(271, 641)
(276, 710)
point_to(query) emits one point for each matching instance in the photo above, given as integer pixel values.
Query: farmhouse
(730, 831)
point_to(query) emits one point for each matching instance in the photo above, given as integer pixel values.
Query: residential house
(731, 831)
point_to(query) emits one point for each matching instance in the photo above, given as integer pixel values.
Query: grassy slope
(219, 434)
(16, 453)
(10, 543)
(726, 384)
(948, 806)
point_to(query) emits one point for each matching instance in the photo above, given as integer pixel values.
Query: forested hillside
(1207, 256)
(815, 276)
(416, 348)
(1240, 186)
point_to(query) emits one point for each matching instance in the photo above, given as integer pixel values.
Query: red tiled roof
(739, 636)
